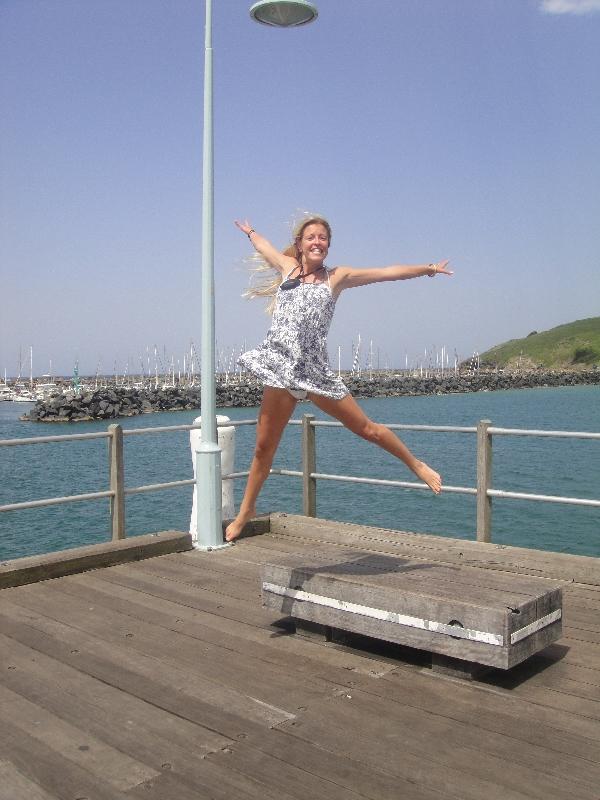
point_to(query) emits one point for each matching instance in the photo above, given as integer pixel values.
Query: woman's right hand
(244, 226)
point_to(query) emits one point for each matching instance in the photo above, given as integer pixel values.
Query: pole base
(206, 548)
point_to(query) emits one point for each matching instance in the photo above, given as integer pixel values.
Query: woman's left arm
(350, 277)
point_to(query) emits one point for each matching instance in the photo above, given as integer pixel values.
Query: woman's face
(314, 244)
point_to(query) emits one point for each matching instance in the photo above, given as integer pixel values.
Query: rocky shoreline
(113, 403)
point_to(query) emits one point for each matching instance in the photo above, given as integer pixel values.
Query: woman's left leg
(351, 415)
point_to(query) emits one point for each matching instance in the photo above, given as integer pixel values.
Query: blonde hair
(270, 278)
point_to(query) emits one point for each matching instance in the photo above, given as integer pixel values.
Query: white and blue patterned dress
(294, 354)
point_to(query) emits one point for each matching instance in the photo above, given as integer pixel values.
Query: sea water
(563, 467)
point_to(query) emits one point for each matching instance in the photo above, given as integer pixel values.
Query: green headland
(576, 344)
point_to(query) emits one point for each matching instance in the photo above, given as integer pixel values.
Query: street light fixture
(279, 13)
(283, 13)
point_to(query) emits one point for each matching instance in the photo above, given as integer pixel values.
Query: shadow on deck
(165, 678)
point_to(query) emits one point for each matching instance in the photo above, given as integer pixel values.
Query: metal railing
(483, 491)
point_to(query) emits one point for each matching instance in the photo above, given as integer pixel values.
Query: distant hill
(572, 345)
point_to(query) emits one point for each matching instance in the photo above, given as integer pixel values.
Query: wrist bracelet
(434, 273)
(250, 231)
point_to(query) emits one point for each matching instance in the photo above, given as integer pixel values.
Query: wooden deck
(165, 679)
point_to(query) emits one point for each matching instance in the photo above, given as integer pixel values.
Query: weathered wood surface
(31, 569)
(167, 679)
(456, 611)
(562, 566)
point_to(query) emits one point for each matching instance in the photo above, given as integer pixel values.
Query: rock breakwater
(112, 403)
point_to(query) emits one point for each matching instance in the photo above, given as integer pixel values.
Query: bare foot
(235, 528)
(429, 476)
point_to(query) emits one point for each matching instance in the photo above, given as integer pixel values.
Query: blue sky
(423, 129)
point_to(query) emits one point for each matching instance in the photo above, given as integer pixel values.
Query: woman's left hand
(441, 267)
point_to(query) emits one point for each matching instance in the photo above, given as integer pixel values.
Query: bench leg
(456, 667)
(312, 630)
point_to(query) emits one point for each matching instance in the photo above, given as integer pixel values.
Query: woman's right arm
(271, 255)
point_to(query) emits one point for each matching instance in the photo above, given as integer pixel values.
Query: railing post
(309, 465)
(484, 481)
(116, 469)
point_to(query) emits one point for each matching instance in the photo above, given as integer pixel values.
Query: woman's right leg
(276, 408)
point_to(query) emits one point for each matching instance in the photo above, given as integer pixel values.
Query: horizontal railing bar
(319, 423)
(544, 498)
(160, 429)
(293, 472)
(383, 482)
(56, 501)
(560, 434)
(465, 429)
(156, 487)
(435, 428)
(316, 423)
(165, 428)
(57, 438)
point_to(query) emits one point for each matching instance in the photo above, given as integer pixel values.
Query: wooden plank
(332, 766)
(475, 760)
(145, 649)
(401, 573)
(329, 766)
(56, 775)
(563, 701)
(579, 618)
(171, 787)
(138, 676)
(559, 566)
(90, 753)
(581, 634)
(488, 707)
(579, 652)
(17, 787)
(547, 671)
(263, 792)
(303, 771)
(283, 650)
(132, 725)
(380, 567)
(475, 725)
(397, 760)
(213, 783)
(186, 573)
(130, 736)
(182, 650)
(220, 604)
(31, 569)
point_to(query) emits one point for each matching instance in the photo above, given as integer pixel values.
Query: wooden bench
(466, 617)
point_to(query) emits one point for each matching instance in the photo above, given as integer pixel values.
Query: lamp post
(280, 13)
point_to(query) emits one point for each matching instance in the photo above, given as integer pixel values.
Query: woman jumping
(292, 362)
